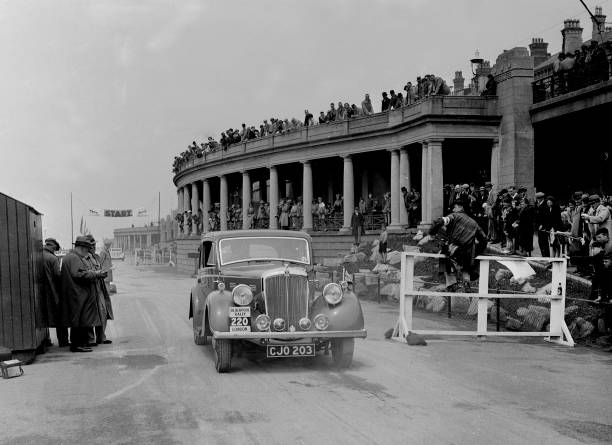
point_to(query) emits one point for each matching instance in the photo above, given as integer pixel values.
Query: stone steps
(330, 248)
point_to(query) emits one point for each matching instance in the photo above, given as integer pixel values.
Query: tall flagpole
(71, 222)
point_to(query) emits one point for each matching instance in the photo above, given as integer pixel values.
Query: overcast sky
(98, 96)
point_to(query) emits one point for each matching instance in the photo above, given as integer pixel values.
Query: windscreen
(235, 250)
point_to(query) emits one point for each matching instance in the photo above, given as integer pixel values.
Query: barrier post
(404, 322)
(559, 332)
(483, 302)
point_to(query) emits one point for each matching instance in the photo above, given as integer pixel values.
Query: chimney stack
(572, 35)
(599, 23)
(539, 50)
(459, 84)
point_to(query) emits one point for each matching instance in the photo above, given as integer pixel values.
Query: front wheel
(342, 352)
(223, 355)
(197, 338)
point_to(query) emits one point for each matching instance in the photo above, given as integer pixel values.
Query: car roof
(215, 236)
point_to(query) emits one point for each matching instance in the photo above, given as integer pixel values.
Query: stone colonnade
(432, 176)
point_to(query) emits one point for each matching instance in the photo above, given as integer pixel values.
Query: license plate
(240, 319)
(291, 350)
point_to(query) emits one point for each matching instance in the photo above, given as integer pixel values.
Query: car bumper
(361, 333)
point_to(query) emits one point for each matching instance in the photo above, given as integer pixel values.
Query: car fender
(344, 316)
(197, 304)
(217, 308)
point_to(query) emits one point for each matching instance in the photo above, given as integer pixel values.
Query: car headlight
(262, 322)
(332, 293)
(242, 295)
(321, 322)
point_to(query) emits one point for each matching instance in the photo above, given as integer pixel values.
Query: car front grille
(287, 298)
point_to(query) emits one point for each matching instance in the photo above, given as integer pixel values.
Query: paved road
(154, 385)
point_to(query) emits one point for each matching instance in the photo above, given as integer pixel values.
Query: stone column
(179, 194)
(495, 160)
(404, 181)
(186, 207)
(273, 197)
(432, 183)
(348, 190)
(307, 195)
(246, 198)
(223, 202)
(195, 205)
(205, 205)
(424, 184)
(396, 194)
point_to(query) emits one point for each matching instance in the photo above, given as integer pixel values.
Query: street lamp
(476, 63)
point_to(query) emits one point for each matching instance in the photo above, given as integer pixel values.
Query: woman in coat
(526, 222)
(284, 216)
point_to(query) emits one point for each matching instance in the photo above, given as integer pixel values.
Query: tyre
(223, 355)
(342, 352)
(197, 338)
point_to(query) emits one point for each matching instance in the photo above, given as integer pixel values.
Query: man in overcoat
(80, 309)
(51, 301)
(101, 288)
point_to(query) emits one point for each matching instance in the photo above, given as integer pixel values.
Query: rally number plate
(240, 319)
(304, 350)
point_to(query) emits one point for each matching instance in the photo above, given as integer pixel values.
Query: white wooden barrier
(558, 331)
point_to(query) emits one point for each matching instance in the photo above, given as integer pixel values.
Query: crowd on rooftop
(428, 85)
(575, 70)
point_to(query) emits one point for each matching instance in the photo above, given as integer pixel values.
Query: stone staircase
(329, 248)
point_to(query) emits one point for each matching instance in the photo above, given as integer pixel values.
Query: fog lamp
(305, 324)
(279, 324)
(262, 322)
(321, 322)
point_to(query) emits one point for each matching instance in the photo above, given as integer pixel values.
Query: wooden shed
(22, 327)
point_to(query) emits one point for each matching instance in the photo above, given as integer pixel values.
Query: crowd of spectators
(583, 67)
(428, 85)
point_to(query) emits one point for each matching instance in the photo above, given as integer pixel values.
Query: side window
(208, 254)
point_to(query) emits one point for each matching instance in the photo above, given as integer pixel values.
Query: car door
(208, 271)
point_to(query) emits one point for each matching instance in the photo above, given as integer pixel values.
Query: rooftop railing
(564, 82)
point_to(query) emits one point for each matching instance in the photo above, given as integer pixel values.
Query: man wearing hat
(51, 301)
(80, 308)
(103, 297)
(540, 220)
(599, 215)
(465, 241)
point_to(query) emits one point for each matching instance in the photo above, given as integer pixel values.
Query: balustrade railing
(563, 82)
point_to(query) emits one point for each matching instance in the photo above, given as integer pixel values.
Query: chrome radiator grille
(287, 298)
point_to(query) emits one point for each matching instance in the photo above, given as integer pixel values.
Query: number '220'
(239, 321)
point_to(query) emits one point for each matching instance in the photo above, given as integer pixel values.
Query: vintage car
(256, 292)
(116, 253)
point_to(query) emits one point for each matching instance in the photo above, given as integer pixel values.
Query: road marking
(133, 385)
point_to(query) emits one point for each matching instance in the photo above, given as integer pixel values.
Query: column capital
(345, 157)
(433, 141)
(272, 167)
(394, 150)
(244, 172)
(495, 141)
(305, 161)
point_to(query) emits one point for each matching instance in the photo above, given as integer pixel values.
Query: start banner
(118, 213)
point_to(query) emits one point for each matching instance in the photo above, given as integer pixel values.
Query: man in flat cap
(51, 301)
(80, 303)
(599, 216)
